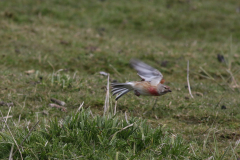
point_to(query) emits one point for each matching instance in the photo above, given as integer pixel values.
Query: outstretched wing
(146, 72)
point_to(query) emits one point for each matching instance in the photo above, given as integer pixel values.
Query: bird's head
(163, 89)
(166, 89)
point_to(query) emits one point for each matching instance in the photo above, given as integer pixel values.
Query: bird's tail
(121, 89)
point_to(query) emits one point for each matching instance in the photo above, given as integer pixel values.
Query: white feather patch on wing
(147, 72)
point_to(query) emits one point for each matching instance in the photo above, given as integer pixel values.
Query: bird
(152, 83)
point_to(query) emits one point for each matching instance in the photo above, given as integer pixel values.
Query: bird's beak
(169, 90)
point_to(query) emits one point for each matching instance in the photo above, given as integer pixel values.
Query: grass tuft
(99, 137)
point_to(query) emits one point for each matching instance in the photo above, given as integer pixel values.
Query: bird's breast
(153, 91)
(145, 88)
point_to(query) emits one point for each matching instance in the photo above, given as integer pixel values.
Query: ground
(56, 49)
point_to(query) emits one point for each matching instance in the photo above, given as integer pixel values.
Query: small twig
(61, 103)
(189, 88)
(80, 107)
(12, 136)
(27, 136)
(57, 106)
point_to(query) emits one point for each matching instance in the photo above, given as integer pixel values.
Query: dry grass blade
(91, 113)
(236, 144)
(51, 66)
(58, 71)
(80, 107)
(115, 108)
(10, 155)
(106, 105)
(7, 116)
(189, 88)
(12, 136)
(208, 75)
(46, 144)
(235, 85)
(103, 73)
(126, 117)
(193, 150)
(27, 136)
(122, 129)
(209, 158)
(115, 70)
(19, 118)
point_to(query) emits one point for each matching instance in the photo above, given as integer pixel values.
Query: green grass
(83, 136)
(86, 37)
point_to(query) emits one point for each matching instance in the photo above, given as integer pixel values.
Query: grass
(82, 136)
(67, 44)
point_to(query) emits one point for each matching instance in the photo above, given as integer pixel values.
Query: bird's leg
(136, 93)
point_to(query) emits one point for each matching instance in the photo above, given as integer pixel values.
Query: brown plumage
(152, 83)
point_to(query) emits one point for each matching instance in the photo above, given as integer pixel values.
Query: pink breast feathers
(153, 91)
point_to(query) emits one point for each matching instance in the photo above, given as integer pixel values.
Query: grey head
(163, 89)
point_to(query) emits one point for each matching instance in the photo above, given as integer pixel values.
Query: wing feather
(146, 72)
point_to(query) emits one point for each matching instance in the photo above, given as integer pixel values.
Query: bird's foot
(136, 93)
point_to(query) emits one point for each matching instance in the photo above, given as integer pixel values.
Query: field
(56, 49)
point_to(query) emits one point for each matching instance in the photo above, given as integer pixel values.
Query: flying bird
(152, 83)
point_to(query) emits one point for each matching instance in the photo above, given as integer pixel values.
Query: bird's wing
(146, 72)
